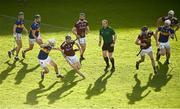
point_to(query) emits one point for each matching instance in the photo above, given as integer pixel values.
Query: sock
(106, 60)
(112, 62)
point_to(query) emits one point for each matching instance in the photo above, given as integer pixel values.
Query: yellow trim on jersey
(165, 33)
(45, 50)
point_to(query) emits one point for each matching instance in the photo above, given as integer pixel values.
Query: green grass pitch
(20, 85)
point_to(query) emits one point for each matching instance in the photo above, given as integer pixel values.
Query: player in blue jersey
(34, 34)
(162, 37)
(44, 58)
(18, 28)
(171, 16)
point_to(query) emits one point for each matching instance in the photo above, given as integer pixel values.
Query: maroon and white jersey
(81, 27)
(68, 48)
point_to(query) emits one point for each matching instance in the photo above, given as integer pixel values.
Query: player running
(17, 33)
(44, 58)
(34, 35)
(109, 38)
(81, 29)
(144, 41)
(162, 39)
(174, 22)
(69, 54)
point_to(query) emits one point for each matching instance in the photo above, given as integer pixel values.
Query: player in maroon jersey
(69, 54)
(81, 29)
(144, 41)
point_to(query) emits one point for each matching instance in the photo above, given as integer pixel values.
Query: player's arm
(87, 30)
(177, 26)
(24, 28)
(138, 42)
(114, 38)
(74, 31)
(44, 45)
(159, 22)
(14, 29)
(34, 34)
(100, 40)
(156, 37)
(79, 47)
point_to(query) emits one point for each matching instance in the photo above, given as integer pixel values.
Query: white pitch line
(44, 24)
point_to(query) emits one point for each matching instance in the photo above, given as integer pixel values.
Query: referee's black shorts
(107, 47)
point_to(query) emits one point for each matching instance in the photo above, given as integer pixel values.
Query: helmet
(21, 13)
(167, 22)
(144, 28)
(51, 41)
(68, 37)
(37, 16)
(82, 14)
(171, 12)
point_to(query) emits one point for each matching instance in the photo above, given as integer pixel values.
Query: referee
(109, 38)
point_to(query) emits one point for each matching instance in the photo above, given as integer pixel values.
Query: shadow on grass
(157, 81)
(99, 86)
(137, 91)
(68, 84)
(161, 78)
(4, 74)
(23, 71)
(32, 96)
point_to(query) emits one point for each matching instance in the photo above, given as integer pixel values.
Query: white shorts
(44, 63)
(72, 59)
(82, 40)
(17, 36)
(164, 45)
(146, 51)
(32, 41)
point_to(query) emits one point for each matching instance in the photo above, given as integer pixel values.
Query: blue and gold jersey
(44, 52)
(35, 26)
(19, 25)
(165, 32)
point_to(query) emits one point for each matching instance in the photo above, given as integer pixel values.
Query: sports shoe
(16, 58)
(9, 54)
(23, 54)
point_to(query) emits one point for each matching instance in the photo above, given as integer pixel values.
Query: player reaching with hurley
(34, 35)
(44, 58)
(81, 29)
(144, 41)
(109, 38)
(69, 54)
(18, 28)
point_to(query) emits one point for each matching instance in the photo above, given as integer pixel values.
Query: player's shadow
(161, 78)
(23, 71)
(4, 74)
(137, 91)
(69, 83)
(99, 86)
(33, 95)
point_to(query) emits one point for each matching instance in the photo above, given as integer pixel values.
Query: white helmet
(167, 22)
(52, 41)
(171, 12)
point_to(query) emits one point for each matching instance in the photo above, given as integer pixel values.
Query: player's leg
(39, 40)
(152, 61)
(106, 59)
(110, 55)
(31, 46)
(45, 69)
(161, 51)
(58, 74)
(19, 46)
(76, 67)
(168, 54)
(11, 52)
(141, 59)
(82, 42)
